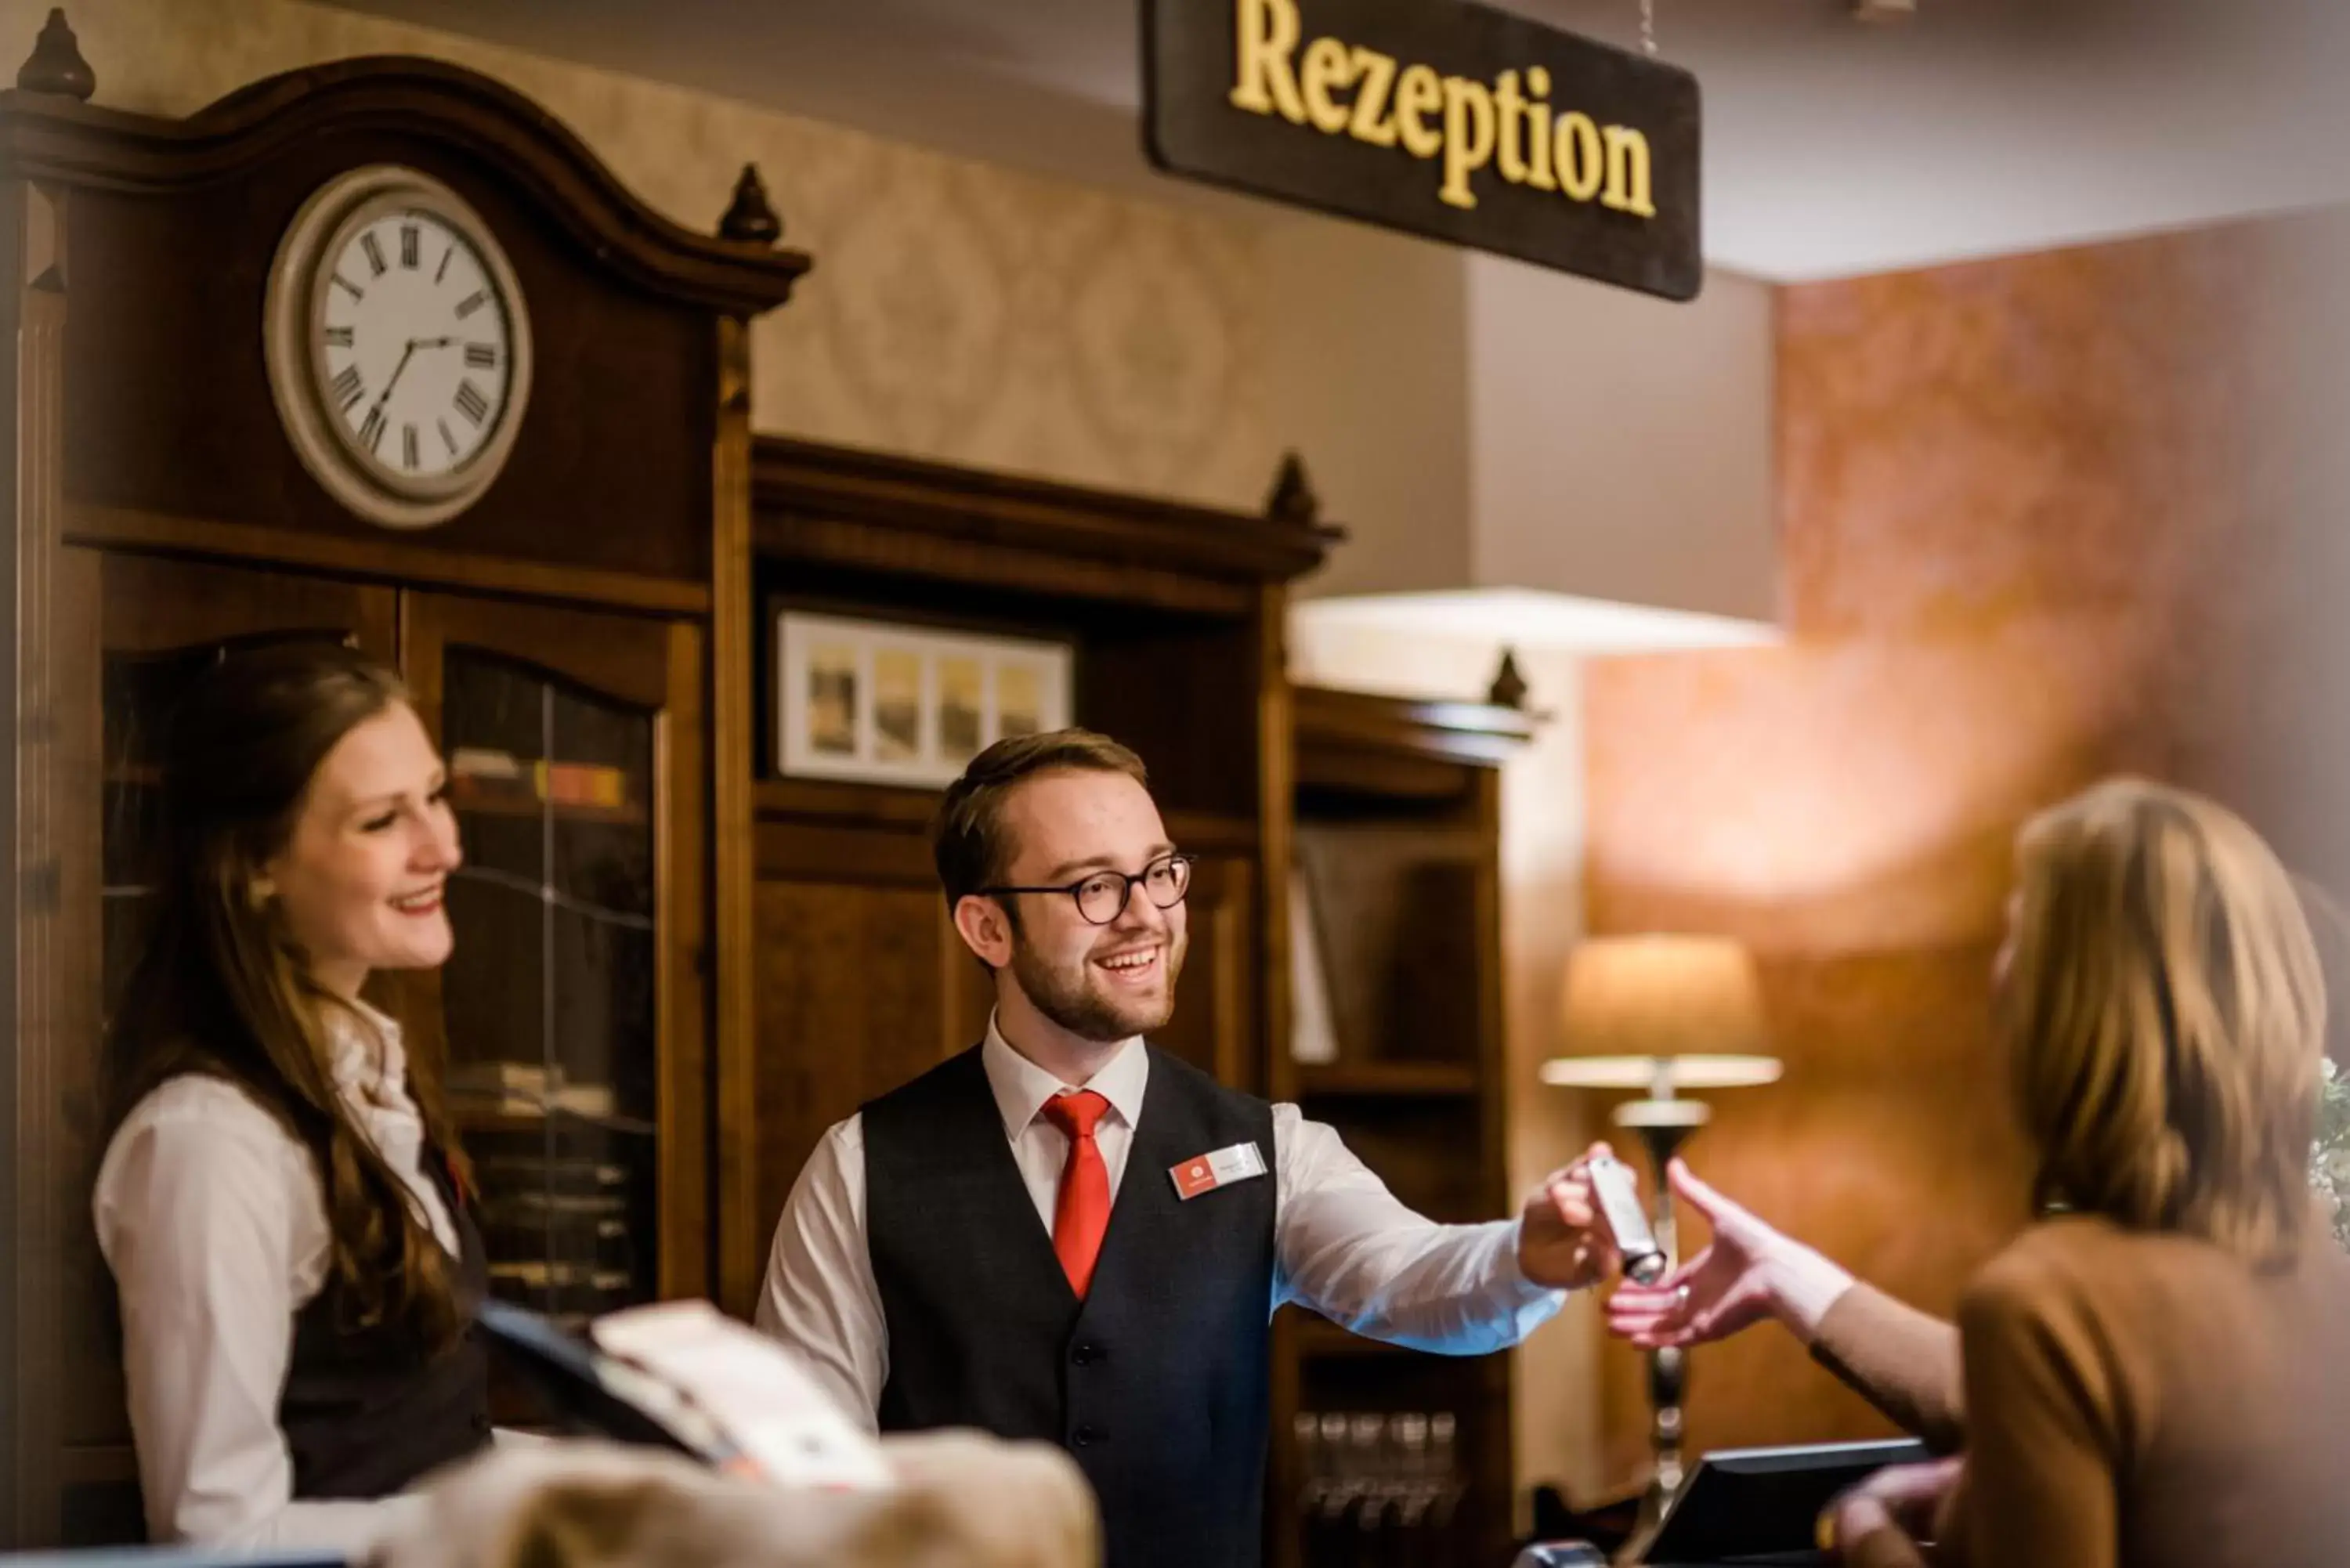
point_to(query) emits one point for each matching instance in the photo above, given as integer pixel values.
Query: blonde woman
(2160, 1373)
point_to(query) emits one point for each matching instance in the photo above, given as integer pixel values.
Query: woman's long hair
(220, 987)
(2163, 1009)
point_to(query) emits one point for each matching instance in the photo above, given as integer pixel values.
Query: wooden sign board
(1450, 120)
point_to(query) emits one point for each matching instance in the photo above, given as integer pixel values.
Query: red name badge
(1206, 1172)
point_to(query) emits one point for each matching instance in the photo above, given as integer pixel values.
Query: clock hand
(385, 395)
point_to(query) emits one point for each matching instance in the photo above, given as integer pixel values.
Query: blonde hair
(2164, 1009)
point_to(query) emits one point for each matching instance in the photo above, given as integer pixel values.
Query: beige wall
(1371, 384)
(1621, 446)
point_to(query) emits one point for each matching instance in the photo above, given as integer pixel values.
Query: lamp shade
(1688, 1005)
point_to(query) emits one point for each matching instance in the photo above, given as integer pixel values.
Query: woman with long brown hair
(281, 1201)
(2158, 1373)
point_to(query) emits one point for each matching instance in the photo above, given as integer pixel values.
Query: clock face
(398, 346)
(413, 345)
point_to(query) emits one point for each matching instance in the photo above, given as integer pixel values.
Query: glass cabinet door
(549, 996)
(569, 975)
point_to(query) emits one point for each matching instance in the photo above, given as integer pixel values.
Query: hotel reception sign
(1455, 121)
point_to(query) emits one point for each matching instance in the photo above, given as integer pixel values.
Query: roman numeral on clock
(339, 336)
(371, 428)
(471, 403)
(408, 445)
(481, 357)
(446, 439)
(347, 388)
(357, 292)
(473, 302)
(374, 248)
(412, 241)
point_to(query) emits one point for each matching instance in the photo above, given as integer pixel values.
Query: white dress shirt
(1343, 1245)
(214, 1219)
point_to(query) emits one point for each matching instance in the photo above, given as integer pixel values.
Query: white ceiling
(1833, 147)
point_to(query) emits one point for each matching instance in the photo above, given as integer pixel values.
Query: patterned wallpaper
(959, 311)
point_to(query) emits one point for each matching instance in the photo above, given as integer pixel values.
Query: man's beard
(1077, 1001)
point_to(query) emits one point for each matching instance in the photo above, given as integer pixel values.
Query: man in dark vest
(1065, 1234)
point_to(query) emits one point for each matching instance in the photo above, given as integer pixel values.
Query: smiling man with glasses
(1065, 1234)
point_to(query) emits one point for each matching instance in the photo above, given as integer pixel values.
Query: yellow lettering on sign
(1510, 156)
(1627, 172)
(1328, 64)
(1576, 150)
(1263, 81)
(1508, 127)
(1418, 90)
(1468, 138)
(1372, 123)
(1538, 173)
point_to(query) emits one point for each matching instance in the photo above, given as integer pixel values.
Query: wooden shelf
(563, 1123)
(895, 806)
(525, 806)
(1393, 1080)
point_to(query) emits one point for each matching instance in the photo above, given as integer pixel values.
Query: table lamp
(1662, 1014)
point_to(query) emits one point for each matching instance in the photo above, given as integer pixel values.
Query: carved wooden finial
(56, 65)
(1509, 687)
(1293, 499)
(750, 217)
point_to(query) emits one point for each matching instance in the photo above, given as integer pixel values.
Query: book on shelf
(683, 1376)
(526, 1089)
(1312, 1036)
(484, 774)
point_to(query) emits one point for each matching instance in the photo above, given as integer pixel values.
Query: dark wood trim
(682, 871)
(865, 509)
(842, 804)
(52, 138)
(119, 528)
(737, 647)
(1476, 733)
(48, 620)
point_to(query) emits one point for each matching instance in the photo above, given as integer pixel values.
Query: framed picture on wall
(880, 703)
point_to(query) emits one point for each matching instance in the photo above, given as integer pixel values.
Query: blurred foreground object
(962, 1500)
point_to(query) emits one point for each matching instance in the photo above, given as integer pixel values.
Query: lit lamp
(1670, 1013)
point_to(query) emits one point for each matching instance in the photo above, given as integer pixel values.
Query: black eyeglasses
(1102, 897)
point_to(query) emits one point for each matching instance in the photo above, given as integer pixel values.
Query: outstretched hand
(1561, 1241)
(1748, 1273)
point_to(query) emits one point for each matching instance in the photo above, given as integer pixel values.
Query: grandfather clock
(378, 353)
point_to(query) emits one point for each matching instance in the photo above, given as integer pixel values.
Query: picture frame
(890, 703)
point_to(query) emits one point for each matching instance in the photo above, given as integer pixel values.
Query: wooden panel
(1217, 995)
(735, 765)
(41, 836)
(862, 986)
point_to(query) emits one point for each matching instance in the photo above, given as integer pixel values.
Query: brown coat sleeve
(1903, 1361)
(2039, 1487)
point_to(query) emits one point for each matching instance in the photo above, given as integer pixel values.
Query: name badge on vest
(1209, 1171)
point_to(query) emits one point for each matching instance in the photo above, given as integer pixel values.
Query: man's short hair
(967, 838)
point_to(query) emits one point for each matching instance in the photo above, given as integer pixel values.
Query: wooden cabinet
(1397, 851)
(560, 636)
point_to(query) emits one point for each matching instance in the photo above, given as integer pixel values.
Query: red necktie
(1081, 1212)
